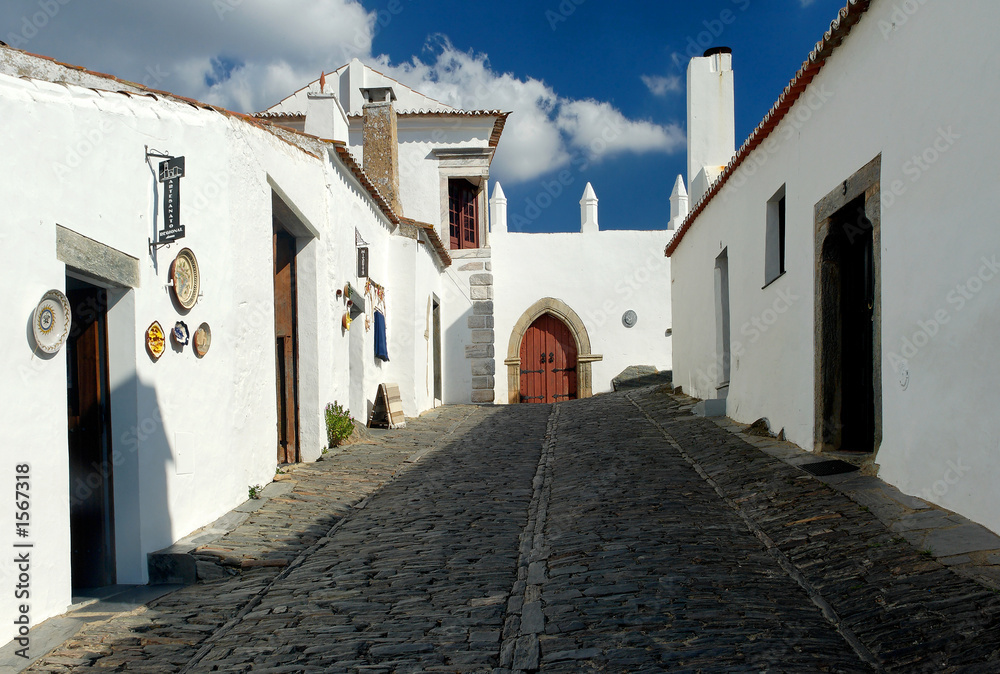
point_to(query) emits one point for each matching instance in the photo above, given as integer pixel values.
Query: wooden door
(285, 338)
(91, 515)
(548, 362)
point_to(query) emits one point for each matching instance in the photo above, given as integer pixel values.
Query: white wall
(928, 109)
(600, 276)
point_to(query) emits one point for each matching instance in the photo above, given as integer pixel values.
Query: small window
(463, 214)
(774, 252)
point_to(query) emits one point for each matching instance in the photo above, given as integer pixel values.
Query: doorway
(848, 301)
(286, 344)
(723, 348)
(91, 497)
(548, 362)
(436, 327)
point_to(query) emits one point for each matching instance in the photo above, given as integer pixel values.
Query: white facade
(598, 274)
(902, 110)
(185, 435)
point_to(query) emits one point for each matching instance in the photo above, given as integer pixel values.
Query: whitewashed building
(355, 198)
(838, 274)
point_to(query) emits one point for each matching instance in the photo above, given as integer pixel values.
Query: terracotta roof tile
(436, 242)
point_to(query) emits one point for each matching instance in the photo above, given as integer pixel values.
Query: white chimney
(325, 117)
(678, 204)
(588, 210)
(498, 211)
(711, 118)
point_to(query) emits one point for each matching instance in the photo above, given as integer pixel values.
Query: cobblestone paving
(613, 534)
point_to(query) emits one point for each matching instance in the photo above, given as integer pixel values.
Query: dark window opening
(463, 214)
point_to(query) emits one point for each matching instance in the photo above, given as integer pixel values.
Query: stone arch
(584, 358)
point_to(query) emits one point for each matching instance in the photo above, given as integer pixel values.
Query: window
(774, 252)
(463, 214)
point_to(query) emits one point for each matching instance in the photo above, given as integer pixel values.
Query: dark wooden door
(548, 362)
(857, 331)
(90, 467)
(285, 338)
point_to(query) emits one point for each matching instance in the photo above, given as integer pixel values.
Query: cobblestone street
(618, 533)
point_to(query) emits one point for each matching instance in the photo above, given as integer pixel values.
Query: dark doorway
(548, 362)
(91, 510)
(723, 348)
(848, 285)
(286, 345)
(436, 311)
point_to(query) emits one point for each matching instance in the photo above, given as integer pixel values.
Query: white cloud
(248, 54)
(659, 85)
(546, 131)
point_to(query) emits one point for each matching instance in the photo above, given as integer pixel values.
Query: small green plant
(255, 490)
(278, 471)
(339, 424)
(927, 553)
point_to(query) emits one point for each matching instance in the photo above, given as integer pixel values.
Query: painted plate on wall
(186, 279)
(202, 339)
(51, 320)
(155, 340)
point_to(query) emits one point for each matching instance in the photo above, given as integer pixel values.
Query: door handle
(552, 357)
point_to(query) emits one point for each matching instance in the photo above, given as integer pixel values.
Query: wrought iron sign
(363, 262)
(169, 173)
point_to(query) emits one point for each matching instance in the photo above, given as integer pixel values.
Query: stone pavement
(618, 533)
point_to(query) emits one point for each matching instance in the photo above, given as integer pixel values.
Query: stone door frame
(865, 182)
(584, 357)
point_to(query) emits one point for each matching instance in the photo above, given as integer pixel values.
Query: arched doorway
(548, 362)
(559, 311)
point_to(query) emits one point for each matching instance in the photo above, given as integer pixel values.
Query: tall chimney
(678, 204)
(711, 118)
(381, 143)
(588, 210)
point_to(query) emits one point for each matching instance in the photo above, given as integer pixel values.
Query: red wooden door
(548, 362)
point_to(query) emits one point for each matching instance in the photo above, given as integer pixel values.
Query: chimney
(381, 143)
(711, 118)
(325, 117)
(588, 210)
(678, 204)
(498, 211)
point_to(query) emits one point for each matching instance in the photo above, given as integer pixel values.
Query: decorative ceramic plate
(51, 321)
(186, 279)
(180, 333)
(202, 339)
(155, 340)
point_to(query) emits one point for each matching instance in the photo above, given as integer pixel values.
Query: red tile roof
(436, 242)
(839, 29)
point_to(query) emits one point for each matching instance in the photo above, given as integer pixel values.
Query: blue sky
(596, 87)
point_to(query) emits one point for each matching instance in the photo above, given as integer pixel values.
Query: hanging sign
(171, 171)
(362, 262)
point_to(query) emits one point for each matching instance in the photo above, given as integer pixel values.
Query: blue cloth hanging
(381, 347)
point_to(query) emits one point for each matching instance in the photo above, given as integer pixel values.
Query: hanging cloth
(381, 347)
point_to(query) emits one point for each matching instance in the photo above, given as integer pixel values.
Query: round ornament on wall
(185, 278)
(51, 320)
(629, 319)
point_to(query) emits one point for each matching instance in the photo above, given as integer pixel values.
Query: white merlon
(678, 204)
(588, 210)
(711, 119)
(325, 117)
(498, 210)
